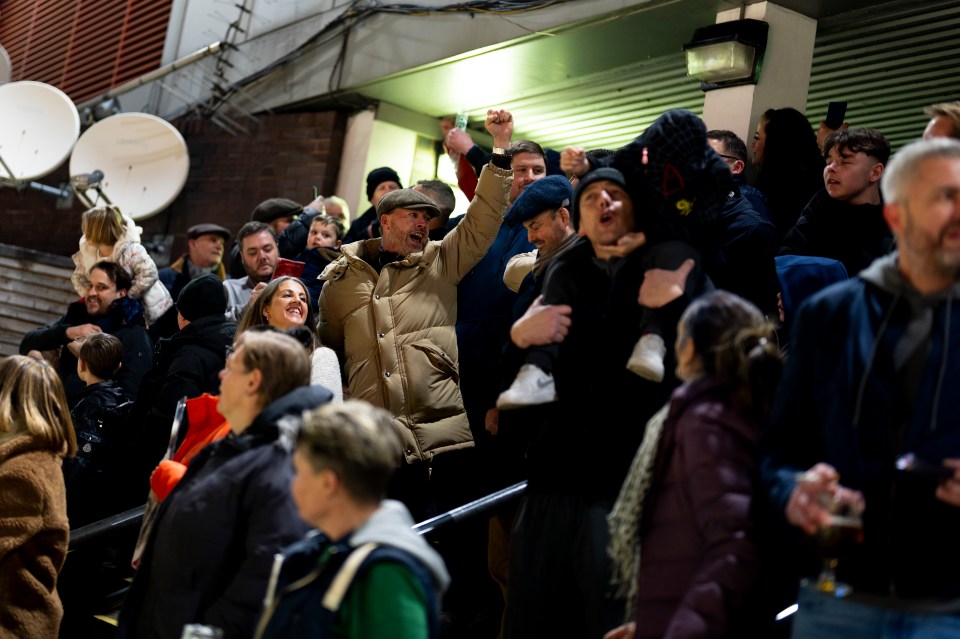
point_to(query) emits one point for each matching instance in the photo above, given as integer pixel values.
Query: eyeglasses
(230, 351)
(729, 157)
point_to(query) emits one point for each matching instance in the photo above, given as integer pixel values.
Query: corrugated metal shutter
(84, 48)
(610, 109)
(887, 64)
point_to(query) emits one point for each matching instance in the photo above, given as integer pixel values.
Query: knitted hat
(406, 199)
(677, 183)
(379, 176)
(197, 230)
(269, 210)
(597, 175)
(202, 297)
(546, 194)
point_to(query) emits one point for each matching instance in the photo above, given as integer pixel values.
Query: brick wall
(285, 155)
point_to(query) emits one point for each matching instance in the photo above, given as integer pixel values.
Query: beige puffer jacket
(396, 332)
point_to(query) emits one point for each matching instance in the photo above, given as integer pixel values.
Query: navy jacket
(303, 574)
(91, 477)
(845, 401)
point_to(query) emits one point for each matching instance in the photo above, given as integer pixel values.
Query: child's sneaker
(647, 358)
(531, 387)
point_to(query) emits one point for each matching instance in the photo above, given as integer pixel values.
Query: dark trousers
(560, 571)
(472, 606)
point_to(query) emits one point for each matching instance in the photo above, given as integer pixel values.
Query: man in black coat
(106, 308)
(187, 364)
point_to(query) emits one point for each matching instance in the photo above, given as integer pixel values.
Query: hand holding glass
(840, 529)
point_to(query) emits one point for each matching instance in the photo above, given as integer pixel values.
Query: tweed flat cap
(406, 199)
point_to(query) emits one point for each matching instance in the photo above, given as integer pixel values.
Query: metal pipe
(153, 75)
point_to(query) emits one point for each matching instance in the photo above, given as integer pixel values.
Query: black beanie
(604, 173)
(379, 176)
(202, 297)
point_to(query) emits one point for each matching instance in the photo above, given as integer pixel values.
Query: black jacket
(208, 559)
(588, 448)
(358, 229)
(743, 260)
(124, 320)
(91, 476)
(187, 364)
(853, 234)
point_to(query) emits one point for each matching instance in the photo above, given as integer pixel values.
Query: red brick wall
(285, 155)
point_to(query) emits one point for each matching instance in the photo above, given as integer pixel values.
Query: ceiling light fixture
(727, 53)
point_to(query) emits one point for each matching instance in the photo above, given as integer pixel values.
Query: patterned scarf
(624, 519)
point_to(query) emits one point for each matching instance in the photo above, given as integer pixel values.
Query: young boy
(845, 221)
(323, 246)
(101, 409)
(325, 231)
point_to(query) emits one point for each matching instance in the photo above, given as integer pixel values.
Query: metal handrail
(471, 509)
(114, 523)
(130, 518)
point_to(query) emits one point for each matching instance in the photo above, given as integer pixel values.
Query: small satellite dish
(40, 126)
(6, 68)
(143, 158)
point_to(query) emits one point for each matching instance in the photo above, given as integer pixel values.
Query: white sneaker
(531, 387)
(647, 358)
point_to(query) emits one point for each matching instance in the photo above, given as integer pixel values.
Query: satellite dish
(6, 68)
(143, 159)
(40, 126)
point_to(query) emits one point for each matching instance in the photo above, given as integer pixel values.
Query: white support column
(356, 147)
(784, 79)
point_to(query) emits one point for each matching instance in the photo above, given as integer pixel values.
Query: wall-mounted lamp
(727, 53)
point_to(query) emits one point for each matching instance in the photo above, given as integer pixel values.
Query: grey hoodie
(884, 274)
(391, 525)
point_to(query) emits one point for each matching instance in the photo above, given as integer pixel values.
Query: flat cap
(197, 230)
(546, 194)
(269, 210)
(406, 199)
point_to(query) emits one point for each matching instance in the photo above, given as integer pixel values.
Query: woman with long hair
(285, 304)
(687, 499)
(109, 235)
(35, 434)
(790, 164)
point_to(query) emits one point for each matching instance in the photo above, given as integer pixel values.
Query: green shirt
(386, 602)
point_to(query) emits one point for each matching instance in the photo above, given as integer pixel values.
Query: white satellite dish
(40, 126)
(143, 158)
(6, 68)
